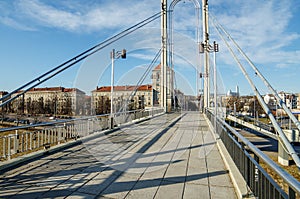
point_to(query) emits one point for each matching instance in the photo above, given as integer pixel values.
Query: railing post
(283, 156)
(4, 147)
(52, 135)
(292, 194)
(256, 175)
(49, 136)
(30, 140)
(21, 141)
(242, 159)
(16, 142)
(65, 132)
(92, 125)
(88, 126)
(38, 139)
(34, 140)
(58, 135)
(8, 147)
(26, 142)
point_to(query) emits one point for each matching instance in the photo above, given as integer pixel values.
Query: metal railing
(25, 139)
(248, 157)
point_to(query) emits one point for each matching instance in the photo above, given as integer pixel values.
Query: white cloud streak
(261, 28)
(76, 17)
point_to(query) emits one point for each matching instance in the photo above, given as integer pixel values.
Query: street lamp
(114, 55)
(207, 48)
(215, 50)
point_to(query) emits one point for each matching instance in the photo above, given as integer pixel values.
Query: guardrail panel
(258, 180)
(63, 131)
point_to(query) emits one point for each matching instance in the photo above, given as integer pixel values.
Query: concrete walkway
(161, 158)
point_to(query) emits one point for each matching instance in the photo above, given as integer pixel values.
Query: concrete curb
(239, 183)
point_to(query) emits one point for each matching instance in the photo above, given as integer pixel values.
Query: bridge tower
(165, 99)
(206, 85)
(166, 82)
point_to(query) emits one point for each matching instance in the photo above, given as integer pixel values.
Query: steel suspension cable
(281, 134)
(77, 59)
(279, 101)
(141, 80)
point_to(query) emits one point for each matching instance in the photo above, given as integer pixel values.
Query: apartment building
(52, 100)
(289, 99)
(124, 98)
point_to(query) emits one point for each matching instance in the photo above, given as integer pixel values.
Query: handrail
(67, 130)
(266, 109)
(290, 180)
(283, 174)
(66, 121)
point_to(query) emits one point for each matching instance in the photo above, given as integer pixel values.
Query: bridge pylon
(164, 101)
(206, 85)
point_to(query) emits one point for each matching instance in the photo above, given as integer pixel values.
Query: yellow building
(53, 100)
(124, 98)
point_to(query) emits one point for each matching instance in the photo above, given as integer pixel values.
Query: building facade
(235, 93)
(124, 98)
(6, 107)
(156, 83)
(289, 99)
(53, 101)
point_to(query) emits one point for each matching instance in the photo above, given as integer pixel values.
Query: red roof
(124, 88)
(48, 89)
(157, 67)
(60, 89)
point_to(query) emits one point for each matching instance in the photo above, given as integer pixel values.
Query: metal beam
(206, 53)
(163, 76)
(171, 44)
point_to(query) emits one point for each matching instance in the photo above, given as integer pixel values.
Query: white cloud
(260, 28)
(13, 23)
(81, 17)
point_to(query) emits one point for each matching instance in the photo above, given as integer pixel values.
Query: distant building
(52, 100)
(3, 93)
(289, 99)
(6, 107)
(124, 98)
(156, 80)
(270, 100)
(235, 93)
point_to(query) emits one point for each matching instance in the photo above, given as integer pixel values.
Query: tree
(20, 105)
(29, 107)
(40, 106)
(48, 106)
(66, 106)
(255, 107)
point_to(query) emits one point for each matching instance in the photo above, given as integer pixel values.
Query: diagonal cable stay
(78, 58)
(281, 134)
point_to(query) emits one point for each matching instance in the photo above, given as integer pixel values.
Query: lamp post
(114, 55)
(215, 50)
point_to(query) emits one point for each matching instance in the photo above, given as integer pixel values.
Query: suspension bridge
(155, 153)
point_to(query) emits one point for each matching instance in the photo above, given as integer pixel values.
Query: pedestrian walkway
(169, 156)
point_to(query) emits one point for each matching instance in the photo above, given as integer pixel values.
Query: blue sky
(37, 35)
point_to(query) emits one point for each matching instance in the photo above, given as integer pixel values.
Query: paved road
(160, 158)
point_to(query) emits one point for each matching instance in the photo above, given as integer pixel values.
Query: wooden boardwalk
(170, 156)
